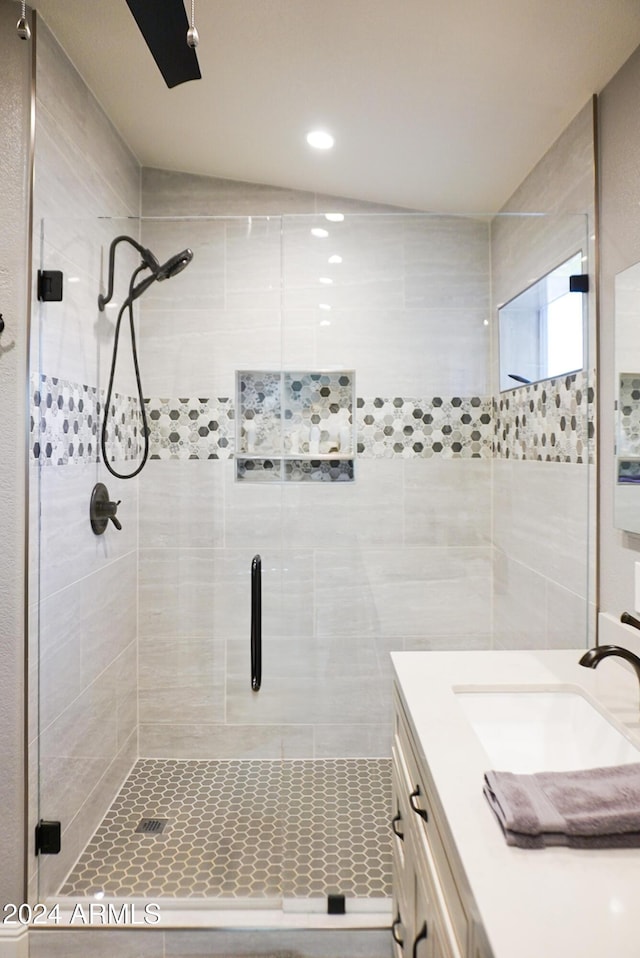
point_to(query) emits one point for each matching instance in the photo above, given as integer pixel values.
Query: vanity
(459, 890)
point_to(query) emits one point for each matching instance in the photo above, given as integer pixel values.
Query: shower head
(172, 267)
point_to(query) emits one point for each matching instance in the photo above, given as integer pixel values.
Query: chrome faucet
(591, 658)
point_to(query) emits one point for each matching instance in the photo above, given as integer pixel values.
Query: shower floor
(244, 829)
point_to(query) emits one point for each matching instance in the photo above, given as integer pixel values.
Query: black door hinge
(49, 285)
(579, 283)
(48, 838)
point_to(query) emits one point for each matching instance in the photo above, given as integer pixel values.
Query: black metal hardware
(394, 934)
(101, 509)
(336, 905)
(1, 323)
(49, 285)
(592, 657)
(166, 38)
(48, 838)
(421, 936)
(579, 283)
(627, 619)
(394, 821)
(256, 623)
(416, 808)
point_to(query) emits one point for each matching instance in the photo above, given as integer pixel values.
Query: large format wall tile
(87, 619)
(226, 741)
(181, 504)
(541, 519)
(69, 548)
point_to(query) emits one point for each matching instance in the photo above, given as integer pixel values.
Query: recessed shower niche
(295, 426)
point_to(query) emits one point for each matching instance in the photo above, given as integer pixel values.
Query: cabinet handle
(394, 934)
(412, 801)
(421, 936)
(394, 821)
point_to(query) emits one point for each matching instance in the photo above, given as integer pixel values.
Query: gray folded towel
(590, 808)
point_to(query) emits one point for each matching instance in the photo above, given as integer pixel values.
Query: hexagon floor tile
(298, 828)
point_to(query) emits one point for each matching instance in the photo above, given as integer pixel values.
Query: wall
(543, 490)
(15, 82)
(83, 644)
(619, 139)
(400, 558)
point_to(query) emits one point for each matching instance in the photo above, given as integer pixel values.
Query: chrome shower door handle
(256, 623)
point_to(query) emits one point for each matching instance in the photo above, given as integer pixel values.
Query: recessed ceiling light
(324, 306)
(320, 139)
(326, 280)
(335, 258)
(334, 217)
(325, 322)
(319, 232)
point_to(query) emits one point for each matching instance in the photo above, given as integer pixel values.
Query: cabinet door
(404, 878)
(422, 945)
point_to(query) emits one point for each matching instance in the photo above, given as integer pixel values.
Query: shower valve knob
(102, 508)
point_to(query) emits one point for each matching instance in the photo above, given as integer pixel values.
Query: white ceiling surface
(441, 105)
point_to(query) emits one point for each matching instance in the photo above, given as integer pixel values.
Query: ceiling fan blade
(164, 24)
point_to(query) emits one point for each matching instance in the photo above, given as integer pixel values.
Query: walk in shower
(321, 391)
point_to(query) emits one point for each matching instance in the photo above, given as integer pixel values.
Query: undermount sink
(544, 730)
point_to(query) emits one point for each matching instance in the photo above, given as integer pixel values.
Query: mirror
(541, 330)
(627, 405)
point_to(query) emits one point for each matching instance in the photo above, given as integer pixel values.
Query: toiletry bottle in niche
(314, 441)
(345, 438)
(250, 434)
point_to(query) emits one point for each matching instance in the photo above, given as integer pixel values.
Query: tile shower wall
(350, 570)
(543, 493)
(83, 642)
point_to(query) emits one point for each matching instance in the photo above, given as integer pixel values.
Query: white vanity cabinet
(432, 908)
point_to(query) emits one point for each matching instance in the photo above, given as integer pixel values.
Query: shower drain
(152, 826)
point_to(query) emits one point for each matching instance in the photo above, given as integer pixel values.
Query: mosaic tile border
(452, 428)
(551, 421)
(191, 428)
(628, 440)
(66, 419)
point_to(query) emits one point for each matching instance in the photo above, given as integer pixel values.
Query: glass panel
(428, 511)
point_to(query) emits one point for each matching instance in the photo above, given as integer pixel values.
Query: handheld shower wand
(158, 273)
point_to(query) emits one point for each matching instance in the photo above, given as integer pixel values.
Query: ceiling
(441, 105)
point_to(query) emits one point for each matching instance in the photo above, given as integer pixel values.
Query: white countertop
(543, 903)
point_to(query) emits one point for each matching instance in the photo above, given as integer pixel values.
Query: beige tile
(65, 529)
(174, 592)
(447, 502)
(519, 605)
(541, 518)
(318, 700)
(353, 741)
(226, 742)
(181, 504)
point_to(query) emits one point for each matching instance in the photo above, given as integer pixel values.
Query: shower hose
(128, 305)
